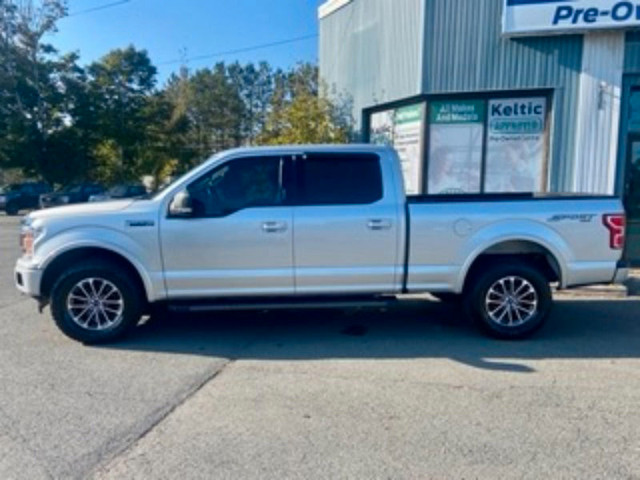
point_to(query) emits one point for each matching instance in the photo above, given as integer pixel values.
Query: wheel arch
(535, 252)
(62, 260)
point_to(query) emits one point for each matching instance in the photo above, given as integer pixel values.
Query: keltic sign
(539, 16)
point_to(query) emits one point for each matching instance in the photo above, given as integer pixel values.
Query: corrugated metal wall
(465, 52)
(599, 106)
(375, 51)
(371, 49)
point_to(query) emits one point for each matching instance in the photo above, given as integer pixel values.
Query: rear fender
(505, 231)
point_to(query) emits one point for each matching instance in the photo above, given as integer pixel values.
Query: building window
(474, 144)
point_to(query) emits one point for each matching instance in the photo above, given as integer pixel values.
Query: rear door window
(339, 179)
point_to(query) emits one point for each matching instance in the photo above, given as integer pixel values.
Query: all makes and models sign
(540, 16)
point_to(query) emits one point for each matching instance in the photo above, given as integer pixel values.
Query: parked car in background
(122, 190)
(74, 193)
(21, 196)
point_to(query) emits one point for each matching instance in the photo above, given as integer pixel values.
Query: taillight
(615, 223)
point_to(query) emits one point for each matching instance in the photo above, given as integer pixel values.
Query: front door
(632, 197)
(238, 238)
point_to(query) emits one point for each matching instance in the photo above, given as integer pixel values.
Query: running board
(280, 304)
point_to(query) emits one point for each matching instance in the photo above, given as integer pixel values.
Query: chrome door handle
(274, 227)
(378, 224)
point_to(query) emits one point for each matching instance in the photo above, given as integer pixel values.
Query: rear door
(345, 225)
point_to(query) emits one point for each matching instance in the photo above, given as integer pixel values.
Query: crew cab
(320, 226)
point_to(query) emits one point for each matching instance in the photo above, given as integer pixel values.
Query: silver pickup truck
(318, 226)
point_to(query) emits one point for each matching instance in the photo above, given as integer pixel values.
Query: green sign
(515, 126)
(408, 114)
(463, 111)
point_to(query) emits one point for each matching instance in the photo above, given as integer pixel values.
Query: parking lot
(413, 392)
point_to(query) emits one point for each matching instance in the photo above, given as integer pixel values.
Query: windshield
(13, 188)
(118, 191)
(188, 172)
(72, 189)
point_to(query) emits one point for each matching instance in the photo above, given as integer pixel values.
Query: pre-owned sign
(539, 16)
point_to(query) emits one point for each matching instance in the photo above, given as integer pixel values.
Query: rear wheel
(509, 301)
(95, 302)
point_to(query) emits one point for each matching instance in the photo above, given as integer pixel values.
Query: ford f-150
(314, 226)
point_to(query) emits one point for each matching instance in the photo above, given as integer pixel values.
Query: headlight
(28, 236)
(64, 199)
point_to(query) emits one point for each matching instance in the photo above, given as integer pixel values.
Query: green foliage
(301, 112)
(30, 99)
(109, 121)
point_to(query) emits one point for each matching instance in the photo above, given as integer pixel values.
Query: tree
(301, 112)
(255, 86)
(215, 111)
(109, 122)
(31, 98)
(120, 85)
(165, 138)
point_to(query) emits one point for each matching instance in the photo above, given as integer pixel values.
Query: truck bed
(447, 233)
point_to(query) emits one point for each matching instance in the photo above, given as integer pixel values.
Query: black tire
(83, 277)
(12, 208)
(523, 308)
(448, 297)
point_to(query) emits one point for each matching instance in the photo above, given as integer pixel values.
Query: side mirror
(181, 205)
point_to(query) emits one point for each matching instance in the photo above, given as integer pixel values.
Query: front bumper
(27, 277)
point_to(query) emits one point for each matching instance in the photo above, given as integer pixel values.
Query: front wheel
(95, 302)
(509, 301)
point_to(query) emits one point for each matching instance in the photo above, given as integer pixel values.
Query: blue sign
(539, 16)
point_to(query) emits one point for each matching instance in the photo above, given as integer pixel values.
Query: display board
(515, 145)
(402, 128)
(456, 134)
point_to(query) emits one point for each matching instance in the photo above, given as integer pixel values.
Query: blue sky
(195, 27)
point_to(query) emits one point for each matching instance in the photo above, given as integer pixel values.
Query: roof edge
(331, 6)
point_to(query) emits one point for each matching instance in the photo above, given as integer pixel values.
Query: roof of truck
(272, 149)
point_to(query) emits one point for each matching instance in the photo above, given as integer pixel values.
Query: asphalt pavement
(412, 392)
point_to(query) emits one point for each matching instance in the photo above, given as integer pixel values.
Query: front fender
(142, 255)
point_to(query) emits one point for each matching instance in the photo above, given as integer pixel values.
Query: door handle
(274, 227)
(378, 224)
